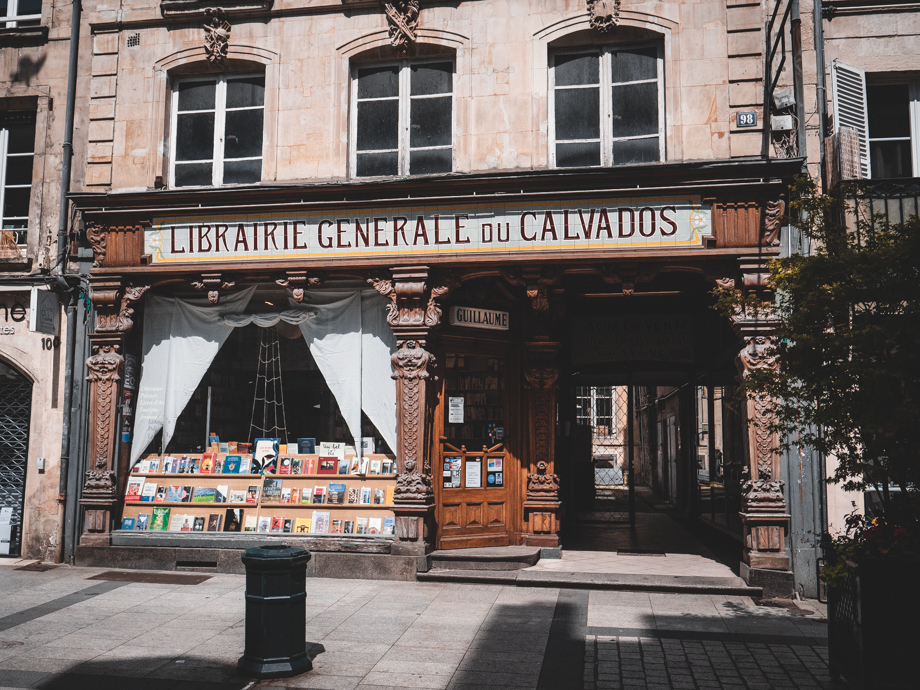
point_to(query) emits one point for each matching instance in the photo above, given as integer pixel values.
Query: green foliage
(864, 538)
(848, 383)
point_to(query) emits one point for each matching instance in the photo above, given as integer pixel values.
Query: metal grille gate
(608, 412)
(15, 412)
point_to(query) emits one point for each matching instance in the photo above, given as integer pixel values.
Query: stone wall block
(101, 130)
(105, 64)
(98, 175)
(745, 69)
(99, 153)
(745, 93)
(102, 87)
(102, 109)
(105, 44)
(746, 43)
(745, 144)
(744, 17)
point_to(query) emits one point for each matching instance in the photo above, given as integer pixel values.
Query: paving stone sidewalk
(60, 630)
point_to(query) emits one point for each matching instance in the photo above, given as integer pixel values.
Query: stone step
(496, 558)
(614, 581)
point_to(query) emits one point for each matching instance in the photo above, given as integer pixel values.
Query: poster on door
(474, 473)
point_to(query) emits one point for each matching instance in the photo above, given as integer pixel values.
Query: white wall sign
(471, 317)
(45, 312)
(492, 228)
(473, 474)
(455, 410)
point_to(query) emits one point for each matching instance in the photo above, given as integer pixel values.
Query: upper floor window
(15, 13)
(607, 107)
(894, 118)
(403, 119)
(17, 150)
(217, 126)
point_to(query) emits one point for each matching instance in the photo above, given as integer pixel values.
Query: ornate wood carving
(541, 375)
(298, 281)
(773, 221)
(605, 14)
(542, 485)
(116, 319)
(627, 276)
(104, 367)
(402, 22)
(96, 236)
(213, 283)
(433, 312)
(411, 362)
(535, 281)
(216, 37)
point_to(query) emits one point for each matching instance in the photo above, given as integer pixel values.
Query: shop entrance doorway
(15, 415)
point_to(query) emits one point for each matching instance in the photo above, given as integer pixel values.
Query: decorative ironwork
(216, 37)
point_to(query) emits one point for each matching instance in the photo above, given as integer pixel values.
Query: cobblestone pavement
(66, 629)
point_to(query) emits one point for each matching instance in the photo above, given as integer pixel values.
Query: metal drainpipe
(821, 85)
(60, 266)
(798, 79)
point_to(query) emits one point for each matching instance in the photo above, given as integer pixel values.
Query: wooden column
(541, 504)
(413, 311)
(112, 305)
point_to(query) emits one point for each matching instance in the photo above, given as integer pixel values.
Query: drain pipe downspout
(60, 266)
(821, 86)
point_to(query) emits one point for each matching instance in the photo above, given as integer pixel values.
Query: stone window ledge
(23, 36)
(186, 8)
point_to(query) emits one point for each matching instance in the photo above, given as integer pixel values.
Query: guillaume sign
(471, 317)
(488, 228)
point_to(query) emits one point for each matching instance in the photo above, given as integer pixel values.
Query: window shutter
(849, 84)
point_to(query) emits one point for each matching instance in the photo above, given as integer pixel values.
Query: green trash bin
(276, 612)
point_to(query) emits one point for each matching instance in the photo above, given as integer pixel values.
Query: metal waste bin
(276, 612)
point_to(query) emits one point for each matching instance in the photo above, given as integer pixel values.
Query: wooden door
(476, 475)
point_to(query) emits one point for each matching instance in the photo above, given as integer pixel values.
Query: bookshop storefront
(384, 376)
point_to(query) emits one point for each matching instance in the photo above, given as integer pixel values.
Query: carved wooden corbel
(605, 14)
(213, 283)
(299, 281)
(96, 236)
(448, 283)
(535, 282)
(773, 221)
(384, 287)
(110, 319)
(216, 37)
(627, 276)
(402, 22)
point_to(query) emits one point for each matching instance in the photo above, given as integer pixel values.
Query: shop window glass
(20, 13)
(218, 126)
(17, 151)
(890, 144)
(403, 121)
(607, 107)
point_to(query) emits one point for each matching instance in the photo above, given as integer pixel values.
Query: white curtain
(351, 342)
(181, 339)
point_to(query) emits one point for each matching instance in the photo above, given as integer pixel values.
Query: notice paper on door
(473, 473)
(455, 410)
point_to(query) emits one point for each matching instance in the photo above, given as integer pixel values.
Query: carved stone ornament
(402, 21)
(121, 321)
(759, 353)
(298, 281)
(216, 37)
(95, 235)
(605, 14)
(213, 283)
(773, 220)
(542, 486)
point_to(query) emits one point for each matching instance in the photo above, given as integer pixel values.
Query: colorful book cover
(368, 445)
(295, 496)
(319, 494)
(142, 524)
(175, 522)
(306, 446)
(348, 527)
(374, 525)
(297, 466)
(214, 522)
(231, 447)
(220, 495)
(252, 494)
(183, 465)
(218, 465)
(194, 466)
(379, 497)
(170, 464)
(214, 438)
(320, 523)
(336, 494)
(245, 465)
(233, 520)
(224, 447)
(244, 448)
(288, 525)
(353, 495)
(159, 520)
(271, 491)
(188, 494)
(198, 526)
(310, 466)
(237, 496)
(149, 492)
(362, 526)
(204, 494)
(162, 492)
(306, 496)
(336, 527)
(387, 467)
(265, 523)
(388, 499)
(302, 526)
(154, 465)
(144, 466)
(232, 464)
(376, 467)
(265, 455)
(188, 523)
(251, 523)
(365, 495)
(365, 465)
(174, 495)
(286, 494)
(355, 466)
(343, 466)
(389, 525)
(134, 488)
(127, 523)
(285, 465)
(328, 466)
(277, 524)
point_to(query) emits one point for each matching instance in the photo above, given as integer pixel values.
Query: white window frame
(405, 108)
(4, 156)
(913, 95)
(220, 118)
(12, 18)
(606, 99)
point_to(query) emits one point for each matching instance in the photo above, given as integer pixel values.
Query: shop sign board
(652, 337)
(441, 229)
(471, 317)
(45, 312)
